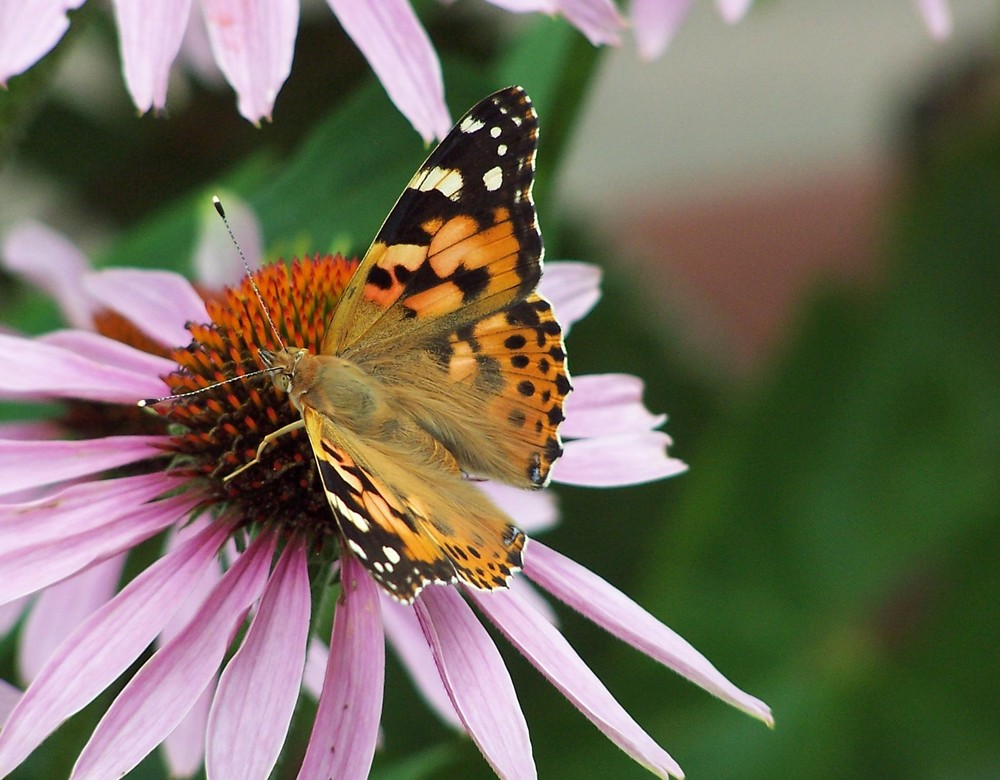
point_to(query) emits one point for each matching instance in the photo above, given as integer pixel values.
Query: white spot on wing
(470, 124)
(391, 555)
(356, 549)
(501, 150)
(447, 181)
(495, 132)
(493, 179)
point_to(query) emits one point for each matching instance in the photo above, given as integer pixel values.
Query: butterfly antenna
(153, 401)
(253, 282)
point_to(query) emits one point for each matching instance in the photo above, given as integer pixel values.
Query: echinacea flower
(252, 44)
(655, 22)
(248, 557)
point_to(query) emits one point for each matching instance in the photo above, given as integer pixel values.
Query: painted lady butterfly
(440, 362)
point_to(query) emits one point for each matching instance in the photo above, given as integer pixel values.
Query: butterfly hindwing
(410, 521)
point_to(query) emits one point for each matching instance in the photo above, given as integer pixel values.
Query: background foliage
(833, 549)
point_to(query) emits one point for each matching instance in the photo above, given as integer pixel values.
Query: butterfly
(440, 364)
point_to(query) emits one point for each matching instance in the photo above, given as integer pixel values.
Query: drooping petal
(184, 747)
(29, 566)
(655, 23)
(477, 681)
(60, 609)
(607, 405)
(611, 609)
(403, 631)
(10, 695)
(937, 17)
(108, 351)
(217, 263)
(534, 598)
(317, 656)
(27, 464)
(166, 687)
(596, 19)
(34, 369)
(150, 34)
(733, 11)
(77, 508)
(395, 44)
(45, 257)
(156, 302)
(533, 511)
(542, 644)
(258, 690)
(105, 645)
(629, 459)
(344, 734)
(29, 29)
(253, 42)
(572, 288)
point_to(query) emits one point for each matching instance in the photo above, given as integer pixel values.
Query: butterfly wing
(411, 520)
(443, 307)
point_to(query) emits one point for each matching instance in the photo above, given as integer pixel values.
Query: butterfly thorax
(333, 386)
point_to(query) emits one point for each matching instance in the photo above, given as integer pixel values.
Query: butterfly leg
(300, 423)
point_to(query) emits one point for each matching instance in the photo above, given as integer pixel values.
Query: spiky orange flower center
(218, 430)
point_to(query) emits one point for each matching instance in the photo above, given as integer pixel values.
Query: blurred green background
(833, 549)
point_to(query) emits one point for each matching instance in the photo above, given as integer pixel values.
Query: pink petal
(109, 352)
(572, 288)
(655, 23)
(317, 657)
(597, 19)
(60, 609)
(733, 11)
(533, 598)
(105, 645)
(608, 461)
(29, 29)
(30, 431)
(217, 261)
(9, 697)
(77, 508)
(407, 639)
(28, 567)
(46, 258)
(184, 747)
(253, 42)
(611, 609)
(607, 405)
(163, 691)
(27, 464)
(526, 6)
(477, 681)
(342, 742)
(159, 303)
(39, 370)
(937, 17)
(150, 33)
(532, 510)
(542, 644)
(390, 36)
(258, 690)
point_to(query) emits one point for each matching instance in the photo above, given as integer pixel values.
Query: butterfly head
(282, 365)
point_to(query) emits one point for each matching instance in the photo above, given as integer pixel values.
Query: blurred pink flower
(656, 21)
(252, 42)
(72, 508)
